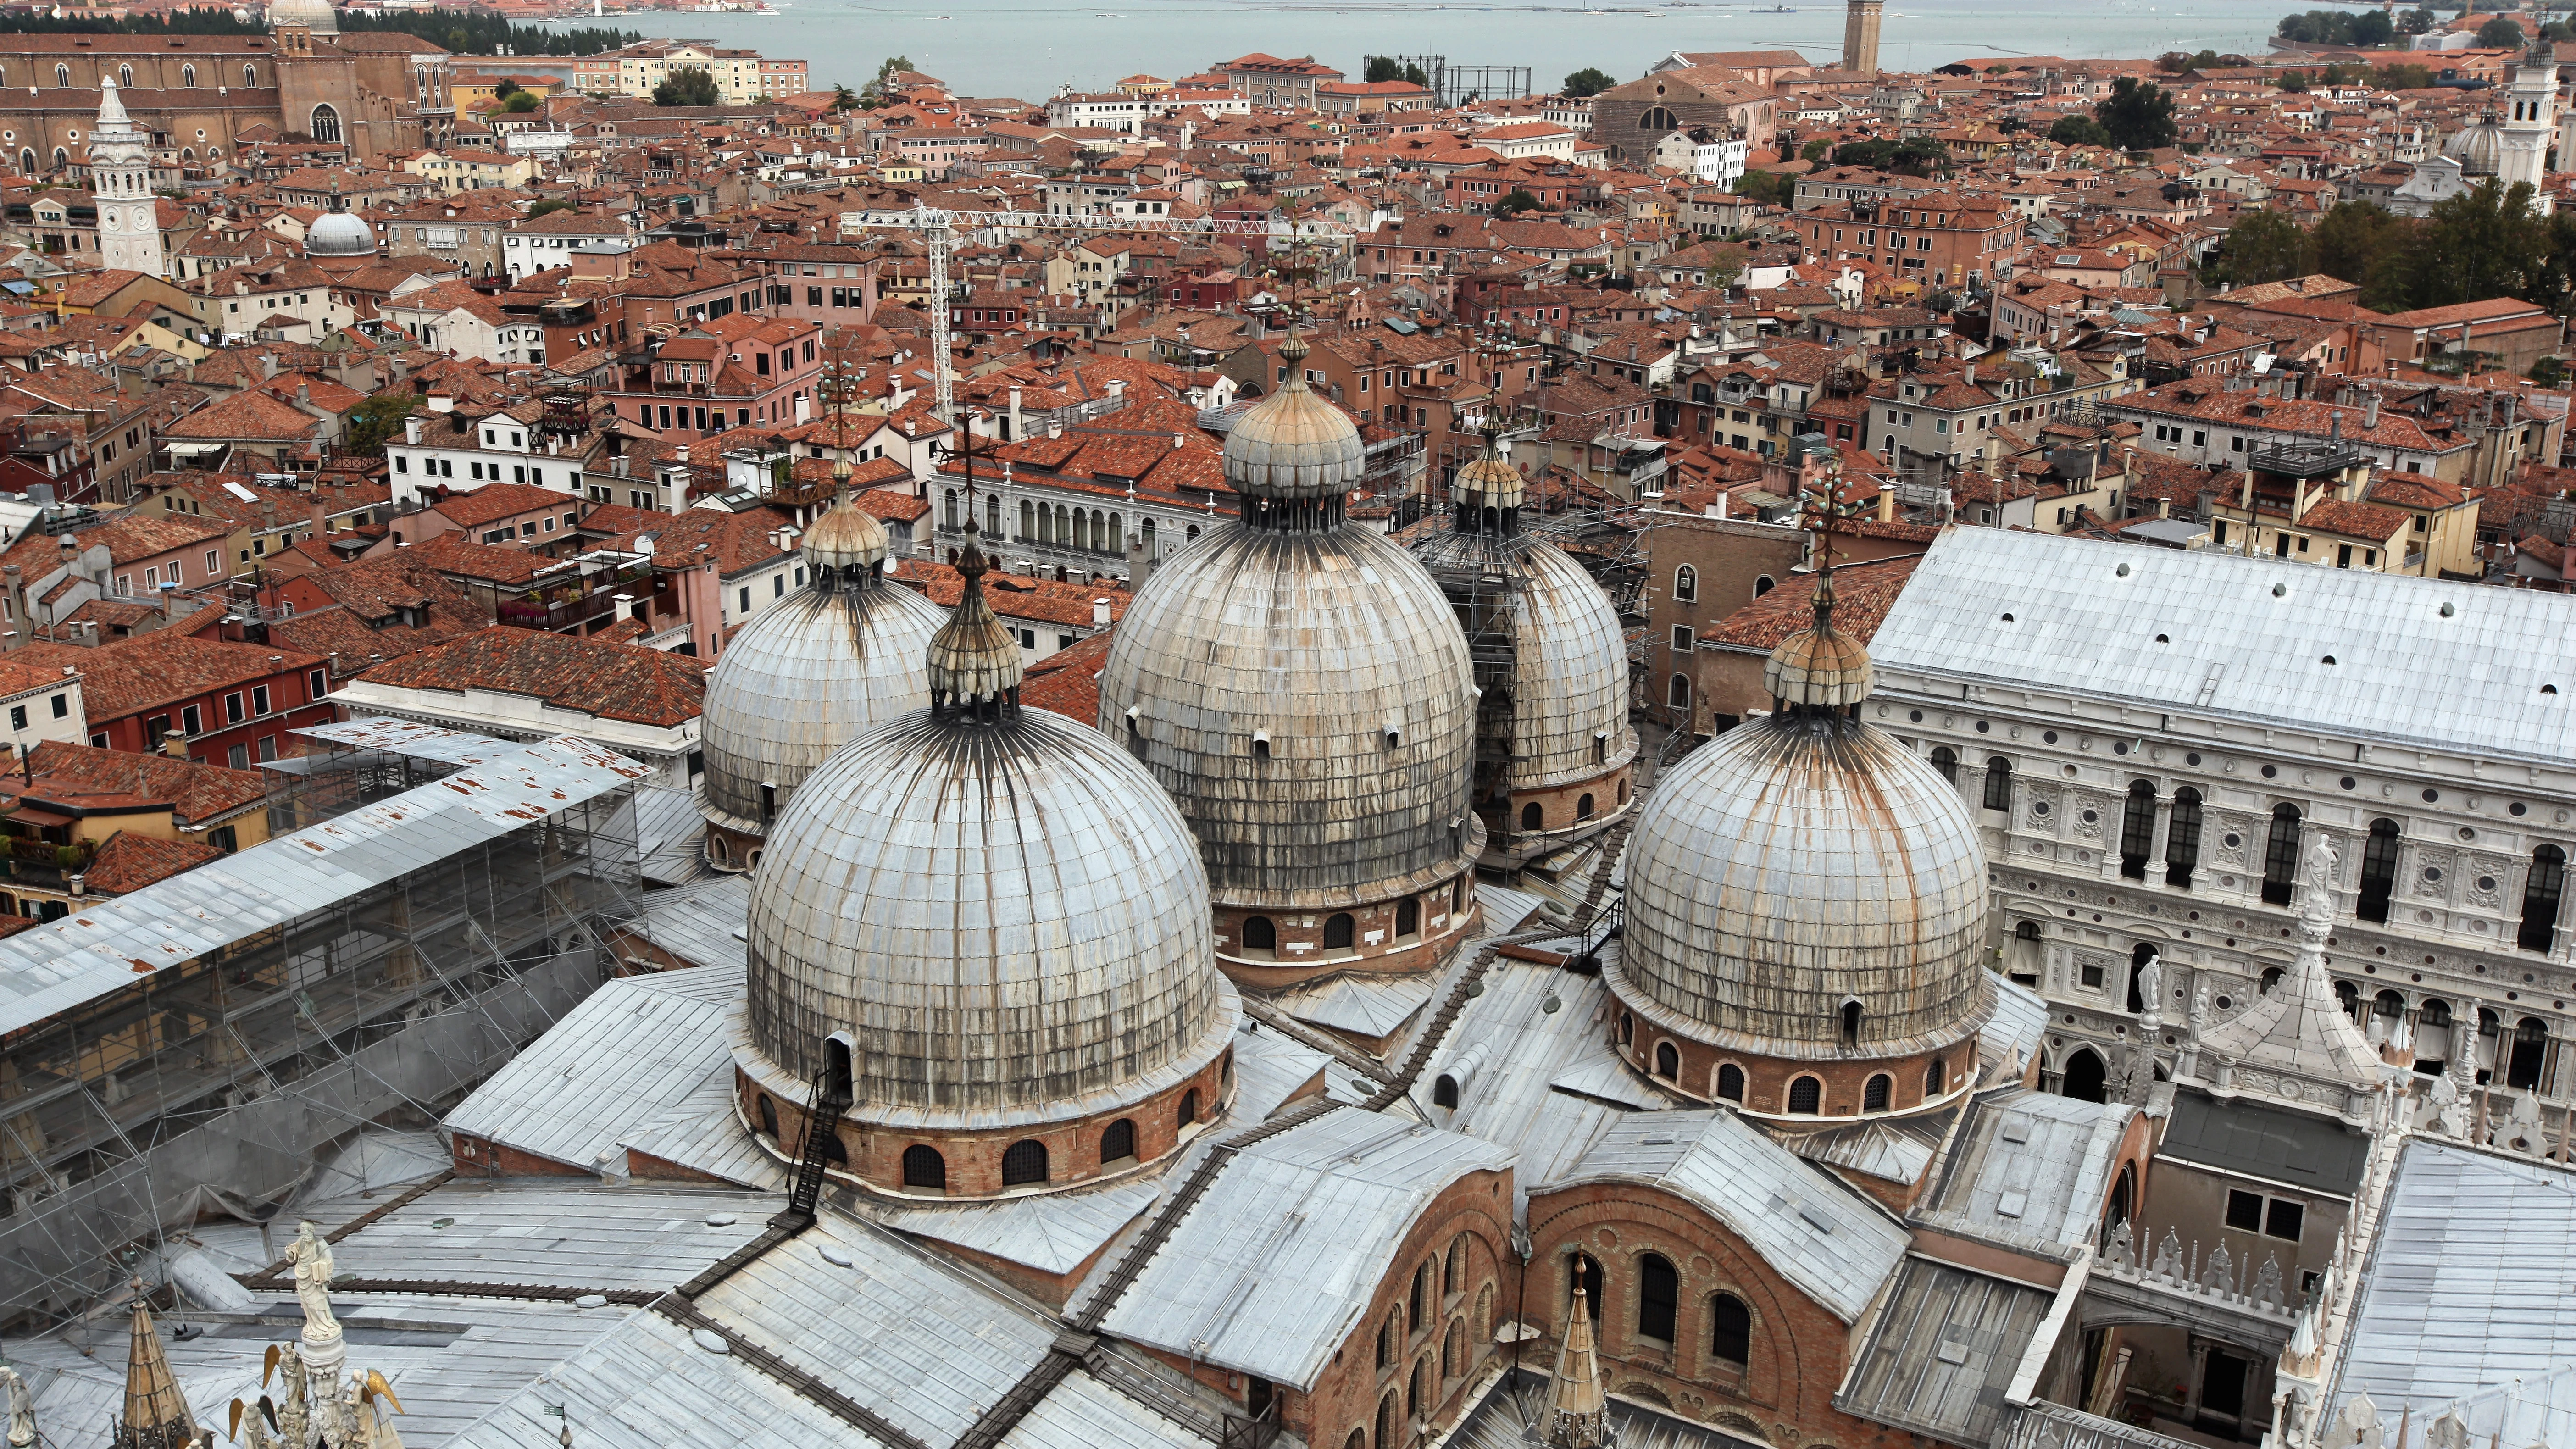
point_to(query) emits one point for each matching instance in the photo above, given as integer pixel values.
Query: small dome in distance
(846, 536)
(338, 234)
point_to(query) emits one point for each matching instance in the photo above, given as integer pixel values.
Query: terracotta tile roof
(195, 792)
(251, 415)
(1863, 593)
(129, 862)
(1017, 596)
(495, 501)
(2355, 520)
(609, 681)
(128, 676)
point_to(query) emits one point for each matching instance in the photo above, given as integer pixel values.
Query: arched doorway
(2086, 1073)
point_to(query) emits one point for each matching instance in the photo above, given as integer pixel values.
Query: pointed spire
(1578, 1407)
(2299, 1026)
(156, 1414)
(974, 661)
(111, 108)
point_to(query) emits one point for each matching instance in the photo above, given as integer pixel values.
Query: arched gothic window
(1657, 120)
(125, 75)
(326, 123)
(188, 77)
(62, 75)
(250, 75)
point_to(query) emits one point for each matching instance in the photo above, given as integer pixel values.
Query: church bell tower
(120, 176)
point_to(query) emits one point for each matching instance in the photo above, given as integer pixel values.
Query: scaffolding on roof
(374, 965)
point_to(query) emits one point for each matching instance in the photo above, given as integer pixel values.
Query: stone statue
(2151, 990)
(313, 1266)
(2318, 907)
(295, 1416)
(2199, 1017)
(22, 1408)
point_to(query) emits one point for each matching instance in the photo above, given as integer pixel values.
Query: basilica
(1347, 1037)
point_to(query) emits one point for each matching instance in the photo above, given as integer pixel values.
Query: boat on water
(1778, 10)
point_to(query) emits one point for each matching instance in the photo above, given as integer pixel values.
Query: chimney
(321, 517)
(267, 366)
(1100, 613)
(2370, 409)
(304, 394)
(1972, 374)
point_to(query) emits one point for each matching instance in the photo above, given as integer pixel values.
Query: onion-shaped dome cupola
(1298, 684)
(997, 924)
(1806, 907)
(814, 671)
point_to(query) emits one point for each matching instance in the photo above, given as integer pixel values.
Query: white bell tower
(120, 176)
(2531, 119)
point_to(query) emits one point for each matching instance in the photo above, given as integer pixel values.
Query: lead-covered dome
(816, 670)
(2478, 147)
(1298, 685)
(1002, 916)
(338, 234)
(1806, 887)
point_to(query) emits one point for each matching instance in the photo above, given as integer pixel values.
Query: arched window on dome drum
(2271, 978)
(1730, 1338)
(1417, 1302)
(1936, 1080)
(1339, 930)
(1192, 536)
(1686, 584)
(1998, 783)
(1586, 1271)
(188, 81)
(2182, 838)
(1623, 792)
(2137, 829)
(1946, 760)
(1189, 1112)
(2378, 871)
(838, 1077)
(1390, 1420)
(2540, 892)
(769, 1119)
(1668, 1061)
(1874, 1096)
(1457, 894)
(1532, 816)
(1806, 1096)
(1583, 808)
(1627, 1028)
(1730, 1082)
(1851, 1023)
(1118, 1143)
(1659, 1292)
(2281, 856)
(1408, 917)
(1453, 1267)
(1023, 1162)
(924, 1167)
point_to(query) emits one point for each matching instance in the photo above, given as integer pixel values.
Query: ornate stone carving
(2227, 827)
(2039, 808)
(2430, 874)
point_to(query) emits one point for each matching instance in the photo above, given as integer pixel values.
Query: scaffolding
(1458, 85)
(443, 935)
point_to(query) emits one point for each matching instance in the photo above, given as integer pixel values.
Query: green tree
(2373, 27)
(485, 32)
(2349, 237)
(521, 103)
(2138, 117)
(1768, 187)
(2174, 62)
(505, 89)
(1816, 150)
(549, 207)
(2079, 131)
(2548, 372)
(1589, 81)
(1377, 68)
(2415, 22)
(1516, 203)
(375, 420)
(2481, 244)
(2501, 33)
(2293, 81)
(687, 85)
(2263, 246)
(880, 91)
(2405, 76)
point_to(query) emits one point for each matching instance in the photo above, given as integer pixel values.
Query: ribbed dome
(1294, 446)
(338, 234)
(1260, 674)
(815, 671)
(845, 536)
(320, 15)
(1570, 668)
(1819, 665)
(1796, 863)
(2478, 148)
(1008, 917)
(1494, 482)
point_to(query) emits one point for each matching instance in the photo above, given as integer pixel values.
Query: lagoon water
(1029, 49)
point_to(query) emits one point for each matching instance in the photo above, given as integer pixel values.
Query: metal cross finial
(1819, 509)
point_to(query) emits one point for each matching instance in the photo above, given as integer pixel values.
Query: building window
(1533, 816)
(2540, 893)
(2138, 829)
(326, 125)
(1730, 1082)
(2182, 839)
(1339, 931)
(1998, 783)
(233, 713)
(1668, 1061)
(1586, 1274)
(1730, 1330)
(1686, 584)
(1806, 1096)
(1408, 916)
(1118, 1143)
(1680, 694)
(924, 1167)
(1946, 760)
(2281, 856)
(1658, 1296)
(1259, 934)
(1024, 1162)
(1934, 1079)
(2378, 871)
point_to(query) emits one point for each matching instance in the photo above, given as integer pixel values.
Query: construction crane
(938, 229)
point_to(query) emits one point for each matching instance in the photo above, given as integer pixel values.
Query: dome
(338, 234)
(1570, 668)
(1817, 665)
(818, 669)
(846, 536)
(1494, 482)
(1293, 446)
(318, 15)
(2479, 148)
(1800, 866)
(1007, 917)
